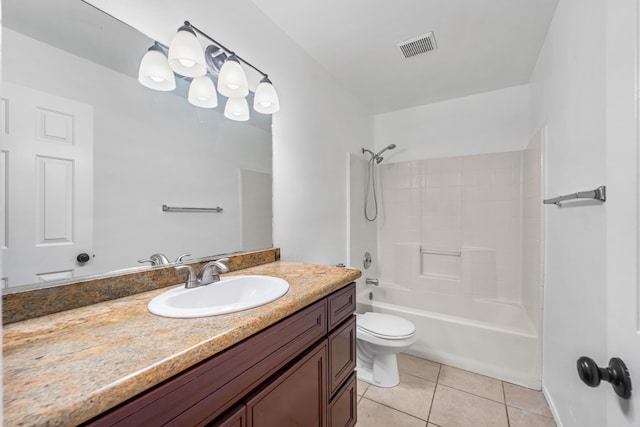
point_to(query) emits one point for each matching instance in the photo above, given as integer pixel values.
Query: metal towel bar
(440, 252)
(166, 208)
(599, 193)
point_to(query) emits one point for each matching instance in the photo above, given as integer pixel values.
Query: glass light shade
(265, 100)
(186, 56)
(202, 92)
(232, 82)
(236, 109)
(154, 71)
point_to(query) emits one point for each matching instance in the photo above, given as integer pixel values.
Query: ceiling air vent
(417, 45)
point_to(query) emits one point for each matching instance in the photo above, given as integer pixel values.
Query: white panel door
(623, 281)
(46, 185)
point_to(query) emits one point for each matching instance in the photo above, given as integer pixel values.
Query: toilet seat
(385, 326)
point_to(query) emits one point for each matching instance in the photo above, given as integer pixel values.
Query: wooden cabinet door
(298, 397)
(342, 354)
(343, 409)
(237, 418)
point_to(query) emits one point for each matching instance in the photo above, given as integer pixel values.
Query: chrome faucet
(160, 259)
(210, 273)
(373, 282)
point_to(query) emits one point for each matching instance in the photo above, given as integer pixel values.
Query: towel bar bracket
(599, 193)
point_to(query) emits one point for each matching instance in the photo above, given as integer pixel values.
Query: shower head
(364, 150)
(388, 147)
(377, 157)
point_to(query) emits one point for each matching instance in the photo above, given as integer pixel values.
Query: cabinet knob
(616, 374)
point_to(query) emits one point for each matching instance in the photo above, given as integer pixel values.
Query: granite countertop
(65, 368)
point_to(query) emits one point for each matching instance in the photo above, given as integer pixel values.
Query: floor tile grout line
(395, 409)
(475, 374)
(453, 387)
(504, 396)
(472, 394)
(433, 398)
(530, 411)
(415, 376)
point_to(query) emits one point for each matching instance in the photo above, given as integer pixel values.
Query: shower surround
(460, 254)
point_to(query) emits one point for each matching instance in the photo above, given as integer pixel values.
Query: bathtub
(486, 337)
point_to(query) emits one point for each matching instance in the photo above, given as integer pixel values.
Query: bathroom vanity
(289, 362)
(299, 371)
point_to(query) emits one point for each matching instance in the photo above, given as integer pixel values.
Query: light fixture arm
(220, 45)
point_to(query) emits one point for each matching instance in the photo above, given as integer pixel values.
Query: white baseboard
(552, 407)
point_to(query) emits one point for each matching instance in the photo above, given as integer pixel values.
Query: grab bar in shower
(166, 208)
(599, 193)
(440, 252)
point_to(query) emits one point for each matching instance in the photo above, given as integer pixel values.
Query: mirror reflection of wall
(149, 149)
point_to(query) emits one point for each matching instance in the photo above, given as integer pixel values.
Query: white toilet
(379, 338)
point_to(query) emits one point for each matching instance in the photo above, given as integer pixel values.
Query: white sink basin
(230, 294)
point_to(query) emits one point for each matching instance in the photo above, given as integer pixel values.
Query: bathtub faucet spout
(373, 282)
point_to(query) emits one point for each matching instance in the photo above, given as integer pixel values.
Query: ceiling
(483, 45)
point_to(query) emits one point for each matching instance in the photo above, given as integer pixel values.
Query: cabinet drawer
(207, 390)
(342, 354)
(342, 304)
(342, 410)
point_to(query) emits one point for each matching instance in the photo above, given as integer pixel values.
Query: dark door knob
(616, 374)
(83, 257)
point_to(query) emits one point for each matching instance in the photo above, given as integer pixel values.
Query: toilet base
(383, 372)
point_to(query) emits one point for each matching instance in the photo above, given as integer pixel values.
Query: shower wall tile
(509, 159)
(502, 185)
(491, 212)
(469, 204)
(479, 162)
(443, 266)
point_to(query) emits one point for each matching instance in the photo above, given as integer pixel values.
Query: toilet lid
(385, 325)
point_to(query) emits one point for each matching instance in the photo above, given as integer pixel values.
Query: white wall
(319, 122)
(568, 95)
(489, 122)
(151, 148)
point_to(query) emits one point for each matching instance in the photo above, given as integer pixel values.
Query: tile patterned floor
(435, 395)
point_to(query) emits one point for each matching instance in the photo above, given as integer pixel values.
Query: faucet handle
(179, 259)
(222, 266)
(192, 278)
(142, 261)
(210, 273)
(159, 259)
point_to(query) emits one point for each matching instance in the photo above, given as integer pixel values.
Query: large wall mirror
(88, 156)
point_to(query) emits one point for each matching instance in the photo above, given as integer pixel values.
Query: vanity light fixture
(187, 58)
(232, 82)
(266, 99)
(202, 92)
(237, 109)
(154, 71)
